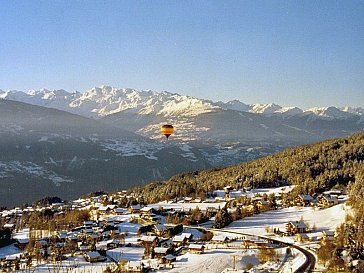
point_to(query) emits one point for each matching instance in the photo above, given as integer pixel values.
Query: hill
(48, 152)
(312, 168)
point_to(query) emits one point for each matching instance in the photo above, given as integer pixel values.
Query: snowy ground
(323, 219)
(214, 260)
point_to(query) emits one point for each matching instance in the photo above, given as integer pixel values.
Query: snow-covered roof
(196, 246)
(161, 250)
(306, 197)
(298, 224)
(148, 238)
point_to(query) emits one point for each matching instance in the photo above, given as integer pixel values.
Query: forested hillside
(313, 168)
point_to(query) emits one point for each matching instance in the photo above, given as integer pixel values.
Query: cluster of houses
(325, 200)
(113, 225)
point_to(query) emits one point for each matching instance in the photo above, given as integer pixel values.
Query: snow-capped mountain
(106, 100)
(143, 112)
(331, 112)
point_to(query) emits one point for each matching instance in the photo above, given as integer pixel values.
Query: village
(119, 232)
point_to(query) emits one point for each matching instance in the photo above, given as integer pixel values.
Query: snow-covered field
(214, 260)
(323, 219)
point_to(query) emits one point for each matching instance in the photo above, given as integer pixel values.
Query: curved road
(307, 266)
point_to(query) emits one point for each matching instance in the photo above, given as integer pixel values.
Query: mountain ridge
(106, 100)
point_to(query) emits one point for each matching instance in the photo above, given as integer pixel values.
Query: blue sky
(304, 53)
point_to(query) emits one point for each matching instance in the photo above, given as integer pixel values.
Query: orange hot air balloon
(167, 130)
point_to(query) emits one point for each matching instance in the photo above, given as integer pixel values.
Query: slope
(50, 152)
(313, 168)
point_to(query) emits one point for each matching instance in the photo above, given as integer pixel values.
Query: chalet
(160, 252)
(327, 235)
(113, 243)
(119, 211)
(83, 247)
(302, 237)
(88, 223)
(146, 210)
(109, 244)
(235, 194)
(62, 235)
(263, 205)
(182, 239)
(303, 200)
(328, 201)
(149, 241)
(248, 243)
(296, 227)
(22, 243)
(94, 256)
(220, 239)
(196, 248)
(168, 259)
(219, 194)
(104, 210)
(135, 208)
(88, 230)
(159, 229)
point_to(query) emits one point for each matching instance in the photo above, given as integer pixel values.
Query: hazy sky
(303, 53)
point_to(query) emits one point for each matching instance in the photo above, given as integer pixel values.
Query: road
(307, 266)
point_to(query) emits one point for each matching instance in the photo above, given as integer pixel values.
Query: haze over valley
(67, 144)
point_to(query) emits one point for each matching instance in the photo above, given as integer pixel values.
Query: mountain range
(54, 142)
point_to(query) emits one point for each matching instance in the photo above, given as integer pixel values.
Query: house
(196, 248)
(160, 252)
(113, 243)
(302, 237)
(328, 201)
(220, 239)
(119, 211)
(149, 241)
(146, 210)
(327, 235)
(22, 243)
(182, 239)
(296, 227)
(88, 223)
(263, 205)
(235, 194)
(303, 200)
(94, 256)
(135, 208)
(168, 259)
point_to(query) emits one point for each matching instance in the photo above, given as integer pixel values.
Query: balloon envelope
(167, 130)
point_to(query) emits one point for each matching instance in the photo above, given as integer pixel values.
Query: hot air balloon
(167, 130)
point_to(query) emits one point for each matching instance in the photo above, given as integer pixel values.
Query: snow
(106, 100)
(7, 168)
(129, 148)
(187, 206)
(213, 261)
(329, 112)
(323, 219)
(126, 253)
